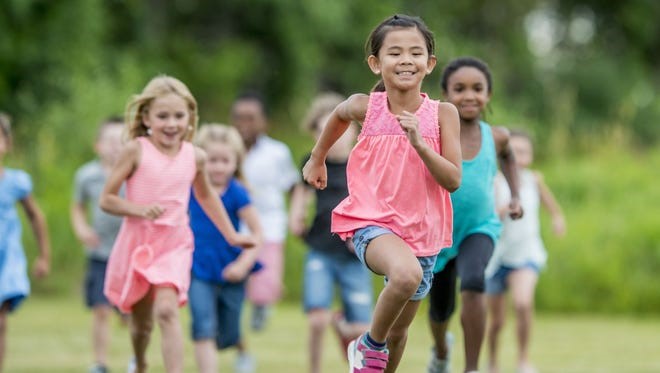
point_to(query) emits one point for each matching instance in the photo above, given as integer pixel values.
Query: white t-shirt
(270, 173)
(520, 242)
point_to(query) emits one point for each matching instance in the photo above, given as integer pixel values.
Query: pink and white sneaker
(362, 359)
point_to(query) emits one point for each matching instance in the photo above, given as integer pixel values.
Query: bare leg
(390, 255)
(523, 283)
(396, 342)
(473, 320)
(319, 319)
(4, 311)
(497, 307)
(141, 324)
(438, 332)
(101, 332)
(166, 312)
(206, 356)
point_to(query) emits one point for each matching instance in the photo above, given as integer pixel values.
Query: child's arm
(239, 269)
(298, 205)
(548, 200)
(213, 208)
(81, 228)
(353, 109)
(40, 229)
(446, 167)
(111, 202)
(507, 163)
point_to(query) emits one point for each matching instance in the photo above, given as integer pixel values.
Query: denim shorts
(324, 270)
(496, 284)
(215, 311)
(363, 236)
(94, 280)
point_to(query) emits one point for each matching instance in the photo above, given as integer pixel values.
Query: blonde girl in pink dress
(148, 272)
(400, 173)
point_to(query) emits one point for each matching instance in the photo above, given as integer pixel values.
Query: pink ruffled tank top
(389, 185)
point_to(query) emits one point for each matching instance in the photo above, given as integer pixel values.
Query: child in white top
(519, 254)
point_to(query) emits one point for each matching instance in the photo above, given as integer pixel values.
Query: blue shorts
(325, 269)
(496, 284)
(215, 311)
(363, 236)
(94, 280)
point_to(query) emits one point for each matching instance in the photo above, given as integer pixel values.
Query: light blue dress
(15, 185)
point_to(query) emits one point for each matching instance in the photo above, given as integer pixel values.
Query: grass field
(51, 335)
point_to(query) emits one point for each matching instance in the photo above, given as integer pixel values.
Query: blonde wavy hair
(322, 105)
(224, 134)
(159, 86)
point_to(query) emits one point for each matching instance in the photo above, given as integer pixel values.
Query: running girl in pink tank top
(400, 173)
(148, 272)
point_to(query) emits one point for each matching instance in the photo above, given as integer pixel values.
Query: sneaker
(259, 317)
(98, 368)
(338, 321)
(442, 365)
(132, 366)
(245, 364)
(363, 359)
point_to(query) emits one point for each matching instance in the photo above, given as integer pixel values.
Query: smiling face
(467, 89)
(248, 117)
(168, 118)
(403, 59)
(221, 163)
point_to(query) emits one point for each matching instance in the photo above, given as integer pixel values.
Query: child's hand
(410, 125)
(151, 212)
(515, 210)
(350, 245)
(244, 241)
(89, 238)
(315, 173)
(41, 267)
(297, 227)
(235, 272)
(559, 226)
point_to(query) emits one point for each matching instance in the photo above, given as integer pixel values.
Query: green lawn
(51, 335)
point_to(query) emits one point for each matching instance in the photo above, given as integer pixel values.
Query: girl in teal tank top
(474, 202)
(466, 83)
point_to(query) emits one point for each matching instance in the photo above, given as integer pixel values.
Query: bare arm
(81, 228)
(298, 207)
(353, 109)
(111, 202)
(550, 203)
(211, 205)
(446, 167)
(40, 229)
(239, 269)
(507, 163)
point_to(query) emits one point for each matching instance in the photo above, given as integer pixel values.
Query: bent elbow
(104, 205)
(454, 183)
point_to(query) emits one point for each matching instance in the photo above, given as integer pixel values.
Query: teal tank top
(474, 200)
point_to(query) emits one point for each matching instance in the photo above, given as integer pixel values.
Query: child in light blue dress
(16, 186)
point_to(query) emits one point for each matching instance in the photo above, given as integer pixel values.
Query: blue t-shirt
(212, 252)
(474, 201)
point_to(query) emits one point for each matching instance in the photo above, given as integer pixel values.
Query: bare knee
(318, 320)
(166, 313)
(523, 306)
(405, 279)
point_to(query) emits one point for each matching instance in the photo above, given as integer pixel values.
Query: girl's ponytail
(379, 87)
